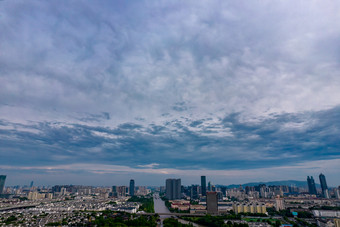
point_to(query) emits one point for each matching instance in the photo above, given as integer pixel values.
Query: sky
(99, 92)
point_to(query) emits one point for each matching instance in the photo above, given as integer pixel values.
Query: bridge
(18, 207)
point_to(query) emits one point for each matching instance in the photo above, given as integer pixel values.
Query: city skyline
(149, 90)
(309, 185)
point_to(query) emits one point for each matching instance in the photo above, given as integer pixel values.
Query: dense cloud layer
(215, 86)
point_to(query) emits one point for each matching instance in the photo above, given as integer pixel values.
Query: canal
(160, 207)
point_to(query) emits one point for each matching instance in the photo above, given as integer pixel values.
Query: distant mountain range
(285, 182)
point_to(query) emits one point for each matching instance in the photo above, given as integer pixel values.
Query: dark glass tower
(311, 185)
(204, 185)
(173, 188)
(2, 183)
(132, 187)
(194, 191)
(323, 185)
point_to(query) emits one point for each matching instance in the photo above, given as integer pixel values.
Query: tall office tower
(31, 185)
(2, 183)
(173, 188)
(212, 206)
(132, 187)
(210, 186)
(324, 186)
(311, 185)
(114, 191)
(194, 191)
(204, 185)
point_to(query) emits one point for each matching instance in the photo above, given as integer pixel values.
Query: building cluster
(43, 193)
(249, 208)
(39, 206)
(38, 196)
(71, 211)
(206, 198)
(209, 197)
(249, 199)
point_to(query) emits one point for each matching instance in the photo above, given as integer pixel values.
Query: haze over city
(98, 93)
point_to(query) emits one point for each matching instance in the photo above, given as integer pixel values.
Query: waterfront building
(212, 205)
(173, 188)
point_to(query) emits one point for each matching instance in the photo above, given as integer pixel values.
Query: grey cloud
(285, 138)
(182, 84)
(125, 58)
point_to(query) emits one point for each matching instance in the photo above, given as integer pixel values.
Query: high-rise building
(324, 187)
(311, 185)
(173, 188)
(337, 193)
(204, 185)
(114, 191)
(209, 186)
(2, 183)
(132, 187)
(263, 191)
(194, 191)
(31, 185)
(212, 205)
(119, 191)
(279, 204)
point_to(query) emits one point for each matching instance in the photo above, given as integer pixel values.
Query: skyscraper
(210, 186)
(212, 206)
(337, 193)
(324, 186)
(2, 183)
(114, 191)
(311, 185)
(173, 188)
(132, 187)
(204, 185)
(194, 191)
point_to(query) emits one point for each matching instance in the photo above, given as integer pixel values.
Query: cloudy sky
(98, 92)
